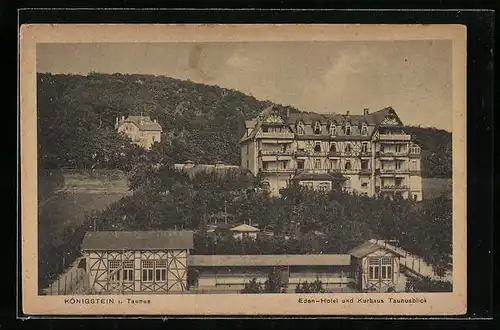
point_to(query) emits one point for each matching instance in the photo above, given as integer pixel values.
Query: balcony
(394, 137)
(277, 170)
(365, 154)
(414, 154)
(334, 154)
(275, 135)
(394, 188)
(275, 153)
(392, 154)
(365, 171)
(300, 153)
(392, 170)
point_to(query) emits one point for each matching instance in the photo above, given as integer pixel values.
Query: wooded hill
(202, 123)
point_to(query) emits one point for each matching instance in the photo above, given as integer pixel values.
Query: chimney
(116, 122)
(366, 111)
(347, 113)
(154, 121)
(287, 112)
(123, 117)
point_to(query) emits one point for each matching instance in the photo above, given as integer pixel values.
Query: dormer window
(317, 128)
(333, 129)
(317, 147)
(333, 147)
(364, 129)
(347, 128)
(300, 128)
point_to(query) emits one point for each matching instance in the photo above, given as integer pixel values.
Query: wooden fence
(73, 281)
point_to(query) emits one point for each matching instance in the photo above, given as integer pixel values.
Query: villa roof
(144, 123)
(138, 240)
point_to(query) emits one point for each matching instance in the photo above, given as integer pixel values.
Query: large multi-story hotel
(369, 154)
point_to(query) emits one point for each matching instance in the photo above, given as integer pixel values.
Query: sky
(414, 77)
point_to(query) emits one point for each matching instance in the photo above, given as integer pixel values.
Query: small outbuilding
(375, 269)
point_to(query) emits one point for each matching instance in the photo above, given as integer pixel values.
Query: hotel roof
(270, 260)
(138, 240)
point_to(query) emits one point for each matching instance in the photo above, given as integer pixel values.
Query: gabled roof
(269, 260)
(245, 228)
(138, 240)
(144, 123)
(366, 248)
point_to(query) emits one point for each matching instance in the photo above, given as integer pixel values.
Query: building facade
(140, 129)
(369, 154)
(128, 262)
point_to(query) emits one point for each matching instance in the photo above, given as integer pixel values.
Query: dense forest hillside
(201, 123)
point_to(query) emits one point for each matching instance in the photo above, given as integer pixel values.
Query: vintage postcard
(243, 169)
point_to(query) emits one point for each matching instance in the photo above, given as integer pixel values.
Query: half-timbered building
(375, 269)
(119, 262)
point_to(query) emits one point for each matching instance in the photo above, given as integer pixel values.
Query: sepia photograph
(243, 167)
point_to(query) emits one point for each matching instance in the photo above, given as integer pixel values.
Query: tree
(314, 287)
(252, 287)
(274, 283)
(427, 284)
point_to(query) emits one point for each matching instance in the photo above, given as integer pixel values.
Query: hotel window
(114, 270)
(300, 128)
(364, 147)
(300, 164)
(147, 270)
(386, 268)
(160, 270)
(348, 165)
(317, 128)
(266, 186)
(373, 268)
(364, 164)
(317, 163)
(398, 165)
(333, 147)
(413, 165)
(347, 129)
(398, 182)
(347, 148)
(128, 270)
(317, 147)
(399, 148)
(333, 129)
(364, 129)
(334, 164)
